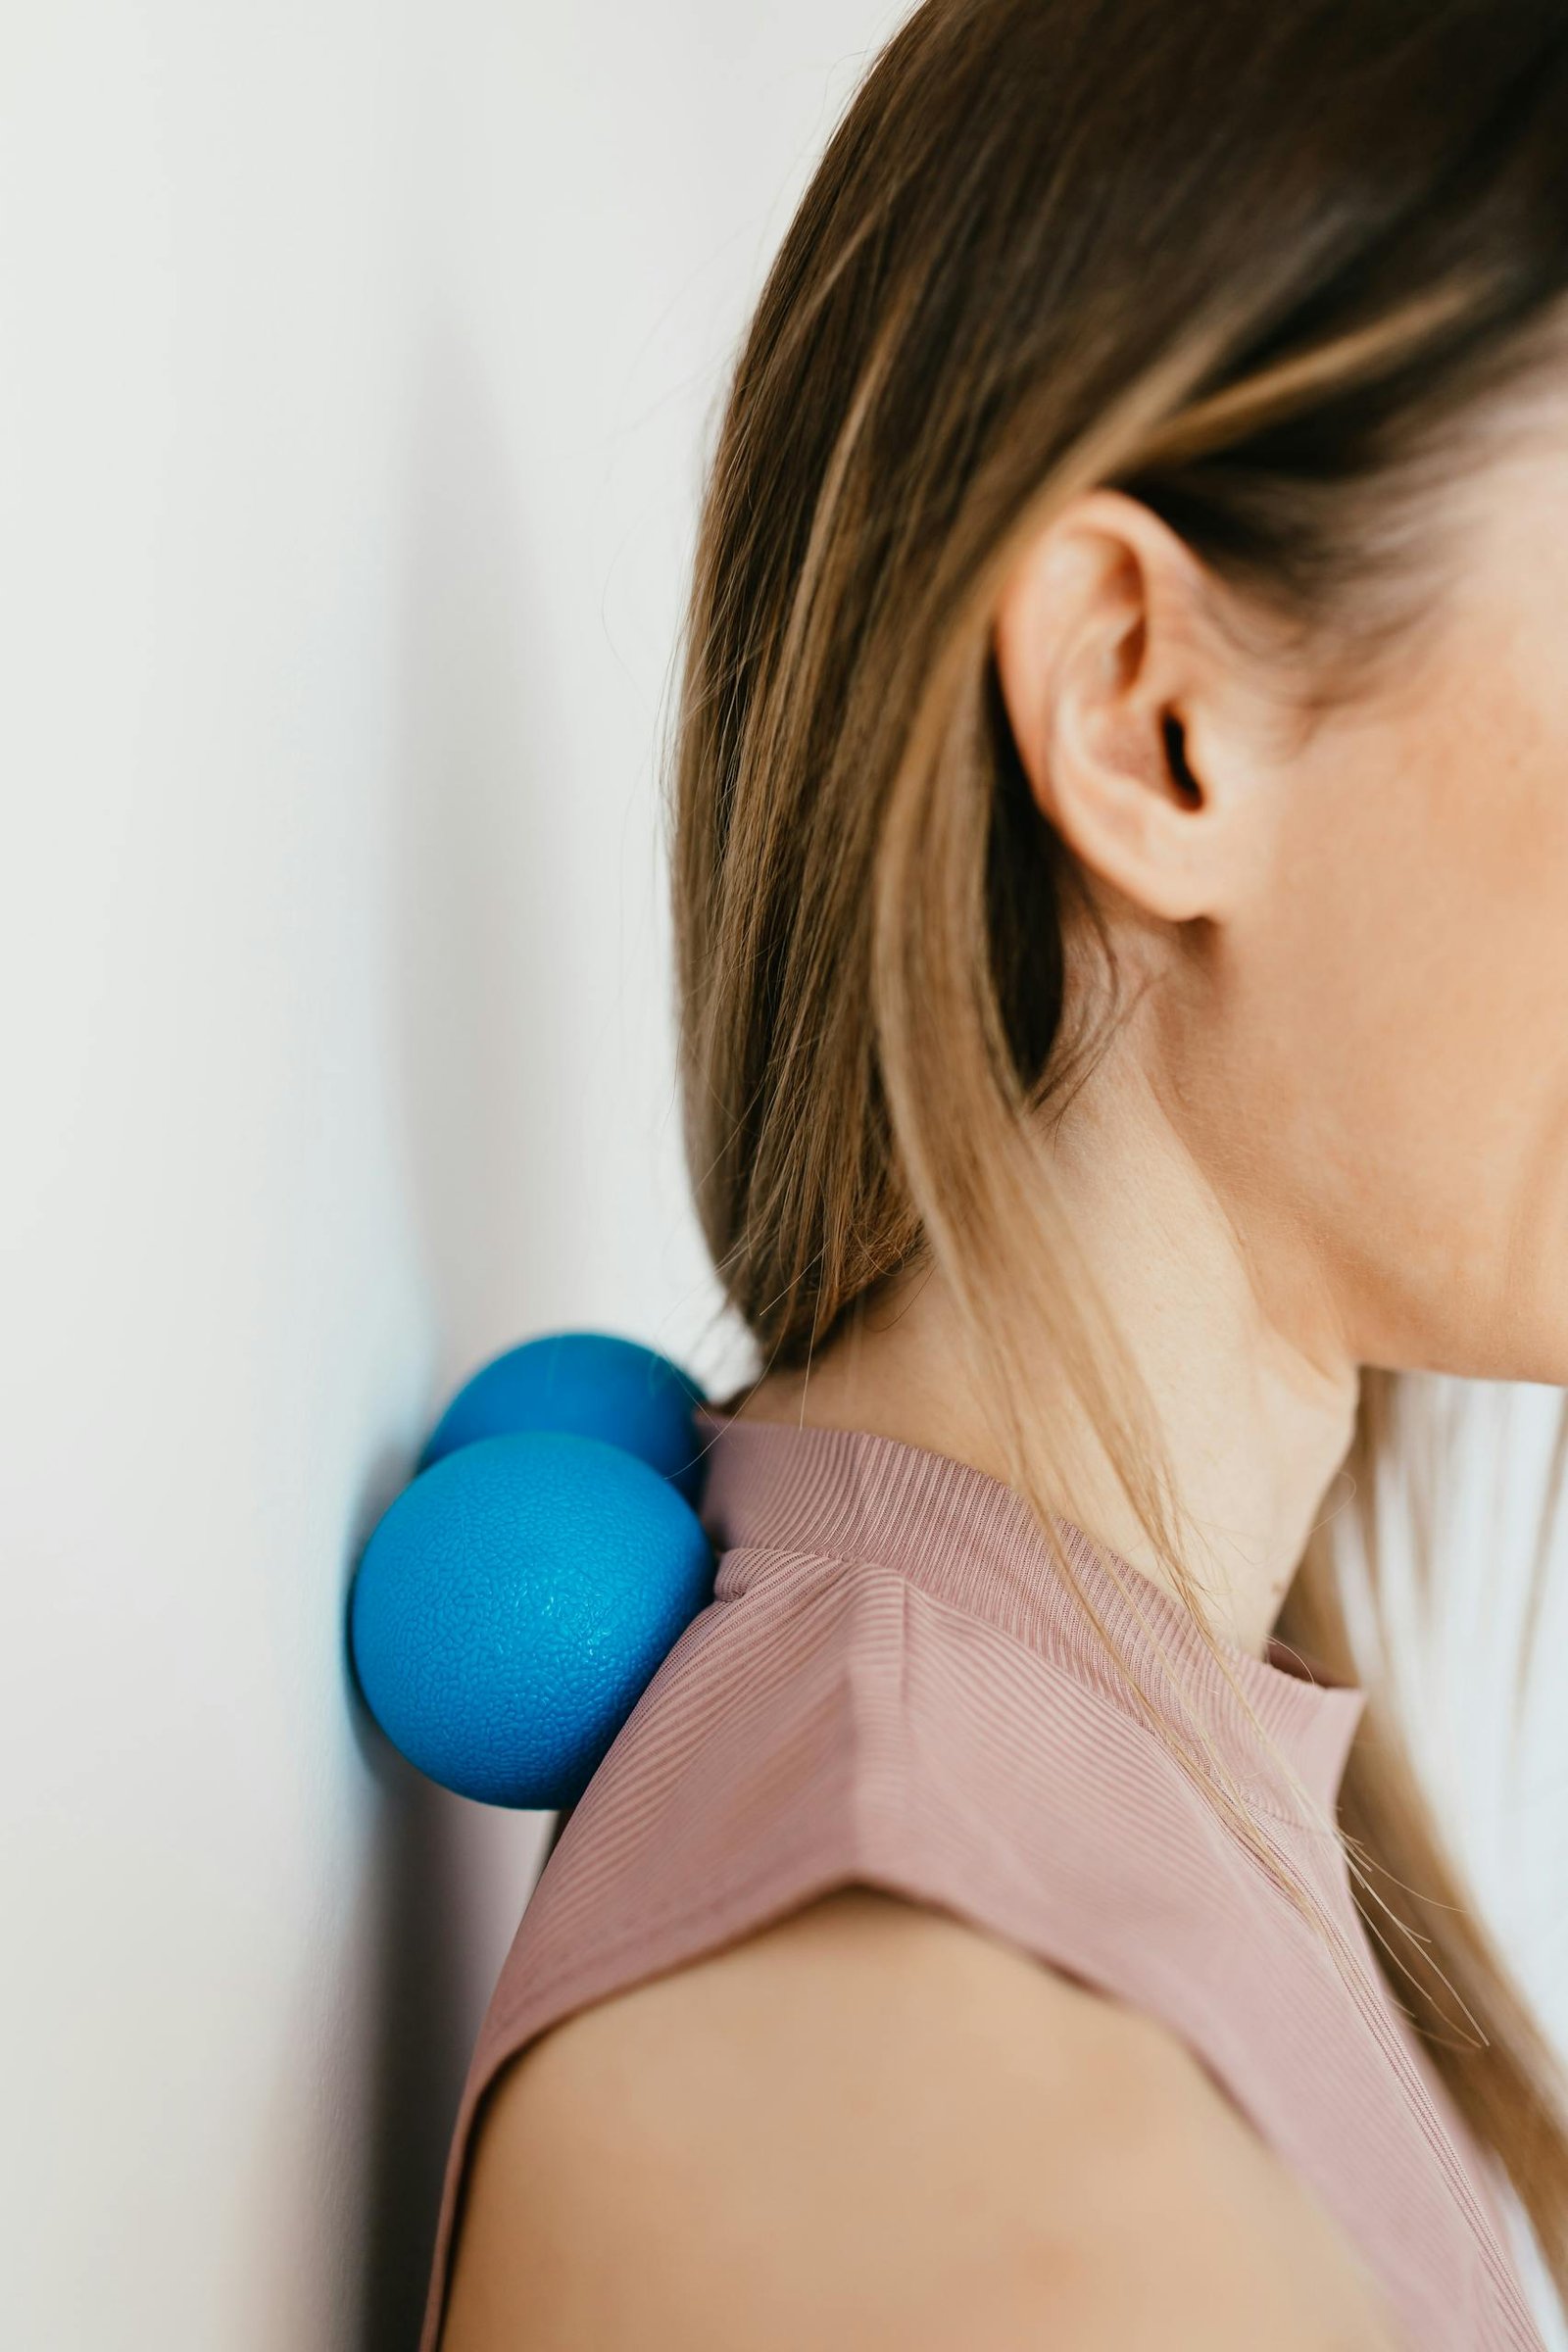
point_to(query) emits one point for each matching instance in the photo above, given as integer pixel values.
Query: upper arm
(871, 2126)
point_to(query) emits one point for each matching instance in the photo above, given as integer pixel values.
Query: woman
(1121, 854)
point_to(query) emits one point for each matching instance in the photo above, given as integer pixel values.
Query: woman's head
(1123, 638)
(1142, 484)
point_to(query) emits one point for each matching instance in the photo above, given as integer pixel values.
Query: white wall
(356, 361)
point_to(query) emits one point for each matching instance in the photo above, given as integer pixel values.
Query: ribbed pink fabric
(894, 1686)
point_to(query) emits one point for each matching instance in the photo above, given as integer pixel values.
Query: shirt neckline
(969, 1539)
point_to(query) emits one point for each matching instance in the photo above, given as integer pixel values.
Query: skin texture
(1331, 1134)
(742, 2154)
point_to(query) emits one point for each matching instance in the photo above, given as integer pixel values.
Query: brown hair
(1253, 266)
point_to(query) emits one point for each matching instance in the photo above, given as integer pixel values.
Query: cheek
(1392, 1010)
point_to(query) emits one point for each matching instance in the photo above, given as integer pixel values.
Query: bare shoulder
(869, 2126)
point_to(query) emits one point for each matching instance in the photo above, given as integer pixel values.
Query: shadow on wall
(451, 1881)
(478, 943)
(417, 2046)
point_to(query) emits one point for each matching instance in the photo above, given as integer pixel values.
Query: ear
(1122, 698)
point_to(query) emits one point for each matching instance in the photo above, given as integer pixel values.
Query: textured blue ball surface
(589, 1384)
(512, 1606)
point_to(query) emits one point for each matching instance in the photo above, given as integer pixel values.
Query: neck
(1254, 1401)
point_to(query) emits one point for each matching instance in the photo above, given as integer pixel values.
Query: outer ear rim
(1122, 576)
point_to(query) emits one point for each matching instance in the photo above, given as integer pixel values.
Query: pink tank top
(894, 1686)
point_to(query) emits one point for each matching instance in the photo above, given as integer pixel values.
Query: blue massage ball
(512, 1604)
(589, 1382)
